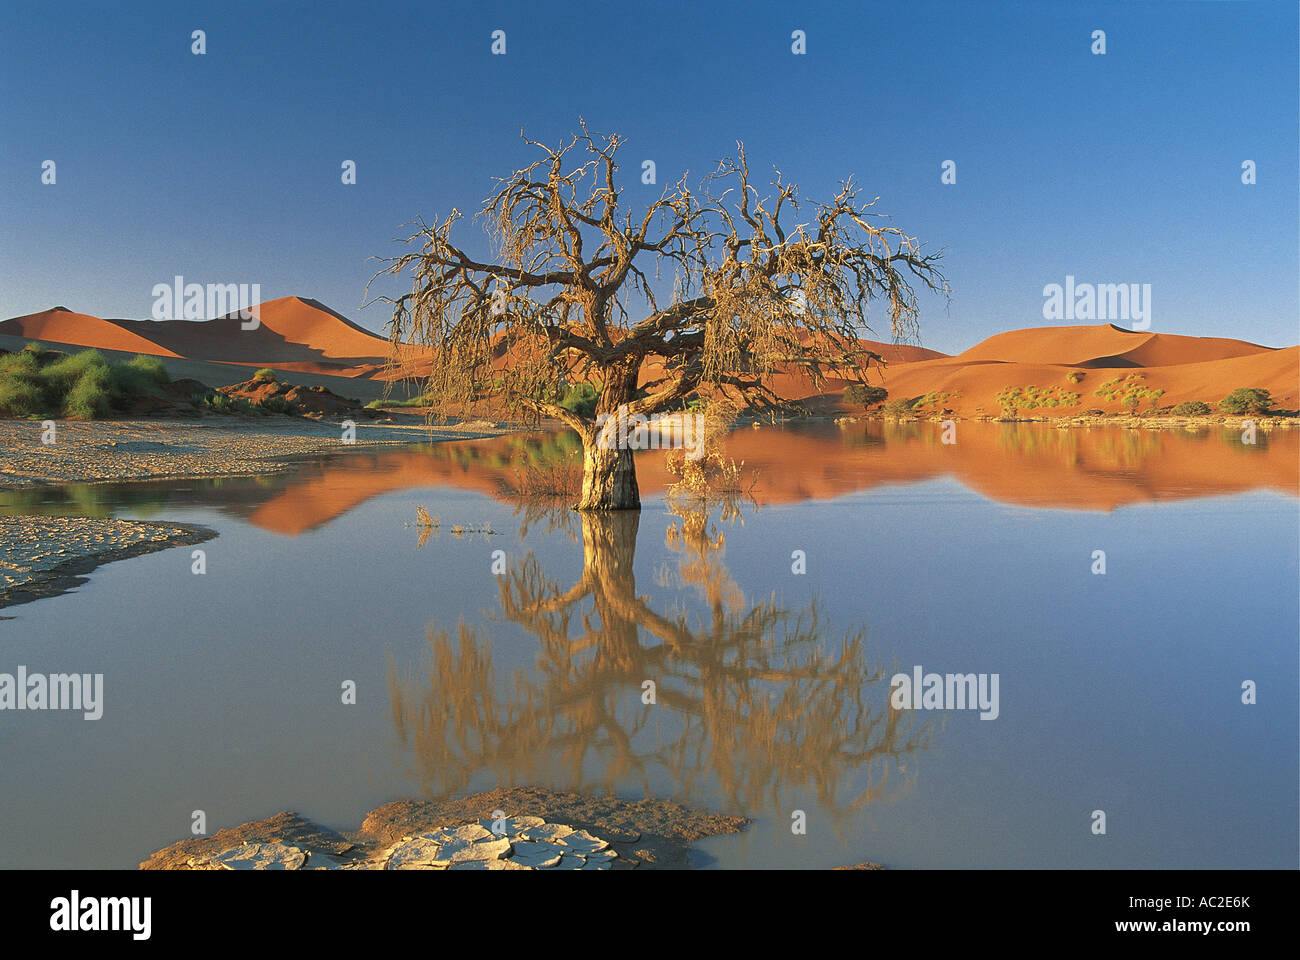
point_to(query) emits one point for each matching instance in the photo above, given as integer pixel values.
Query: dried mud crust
(641, 834)
(46, 556)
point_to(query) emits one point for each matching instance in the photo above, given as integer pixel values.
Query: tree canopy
(702, 292)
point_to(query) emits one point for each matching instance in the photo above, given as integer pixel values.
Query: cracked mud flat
(103, 451)
(541, 830)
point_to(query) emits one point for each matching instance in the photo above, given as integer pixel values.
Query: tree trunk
(608, 471)
(608, 479)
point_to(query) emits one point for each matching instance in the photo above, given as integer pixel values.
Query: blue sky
(225, 168)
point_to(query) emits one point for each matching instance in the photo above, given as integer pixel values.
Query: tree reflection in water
(755, 709)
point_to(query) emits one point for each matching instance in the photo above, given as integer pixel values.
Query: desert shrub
(1074, 376)
(1119, 387)
(1029, 397)
(1247, 400)
(278, 405)
(264, 375)
(934, 399)
(148, 368)
(898, 407)
(1130, 391)
(23, 362)
(1192, 408)
(140, 377)
(220, 403)
(91, 395)
(22, 393)
(21, 396)
(863, 394)
(66, 370)
(82, 385)
(380, 403)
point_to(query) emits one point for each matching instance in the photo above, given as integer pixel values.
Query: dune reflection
(1038, 465)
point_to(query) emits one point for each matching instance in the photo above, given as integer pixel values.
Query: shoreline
(89, 543)
(48, 555)
(115, 451)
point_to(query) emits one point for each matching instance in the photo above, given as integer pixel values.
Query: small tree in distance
(756, 284)
(1247, 400)
(864, 394)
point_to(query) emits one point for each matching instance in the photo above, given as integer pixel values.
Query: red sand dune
(291, 330)
(975, 385)
(293, 333)
(61, 325)
(297, 333)
(1104, 345)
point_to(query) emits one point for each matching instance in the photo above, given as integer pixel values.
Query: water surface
(1119, 692)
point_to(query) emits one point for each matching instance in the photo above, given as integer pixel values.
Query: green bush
(66, 370)
(264, 375)
(25, 362)
(934, 399)
(380, 403)
(148, 368)
(898, 407)
(91, 396)
(1074, 376)
(83, 385)
(863, 394)
(1246, 400)
(1029, 397)
(580, 398)
(278, 405)
(1192, 408)
(21, 397)
(220, 403)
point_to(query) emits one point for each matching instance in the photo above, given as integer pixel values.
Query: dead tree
(706, 293)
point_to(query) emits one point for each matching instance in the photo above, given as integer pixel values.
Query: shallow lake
(1119, 692)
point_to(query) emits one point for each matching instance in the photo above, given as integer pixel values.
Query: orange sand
(304, 335)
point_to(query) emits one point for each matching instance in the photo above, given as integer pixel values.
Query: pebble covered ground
(41, 556)
(108, 450)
